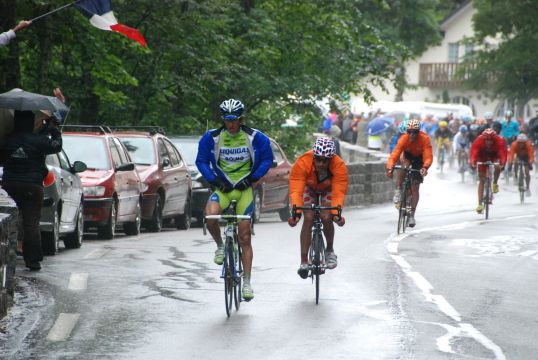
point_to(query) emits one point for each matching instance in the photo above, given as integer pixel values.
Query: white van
(421, 108)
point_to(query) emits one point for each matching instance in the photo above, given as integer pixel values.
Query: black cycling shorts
(416, 163)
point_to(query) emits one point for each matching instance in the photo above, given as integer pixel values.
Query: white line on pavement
(443, 342)
(97, 253)
(78, 281)
(63, 326)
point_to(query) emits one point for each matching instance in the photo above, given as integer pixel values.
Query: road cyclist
(443, 136)
(487, 147)
(231, 158)
(522, 150)
(461, 147)
(416, 148)
(318, 172)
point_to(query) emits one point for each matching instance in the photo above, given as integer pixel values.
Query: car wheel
(108, 231)
(257, 201)
(50, 239)
(74, 239)
(133, 228)
(284, 213)
(183, 222)
(156, 222)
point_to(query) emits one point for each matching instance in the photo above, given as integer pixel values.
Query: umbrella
(17, 99)
(379, 125)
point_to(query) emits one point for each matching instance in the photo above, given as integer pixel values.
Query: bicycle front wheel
(316, 245)
(402, 212)
(521, 183)
(228, 279)
(487, 196)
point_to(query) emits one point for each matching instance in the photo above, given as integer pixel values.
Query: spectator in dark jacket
(23, 156)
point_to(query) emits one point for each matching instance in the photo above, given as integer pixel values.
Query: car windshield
(90, 150)
(141, 150)
(188, 149)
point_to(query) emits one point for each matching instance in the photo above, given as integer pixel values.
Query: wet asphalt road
(456, 287)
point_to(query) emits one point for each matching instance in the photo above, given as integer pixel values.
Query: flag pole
(54, 11)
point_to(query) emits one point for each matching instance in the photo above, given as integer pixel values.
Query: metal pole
(54, 11)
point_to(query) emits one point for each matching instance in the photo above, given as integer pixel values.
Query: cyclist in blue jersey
(510, 128)
(231, 158)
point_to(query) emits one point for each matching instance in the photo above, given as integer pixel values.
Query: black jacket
(23, 153)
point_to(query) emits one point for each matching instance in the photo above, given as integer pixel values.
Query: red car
(111, 185)
(167, 185)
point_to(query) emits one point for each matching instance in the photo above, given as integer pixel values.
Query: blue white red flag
(100, 14)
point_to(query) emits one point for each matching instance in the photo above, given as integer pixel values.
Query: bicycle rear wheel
(238, 278)
(228, 280)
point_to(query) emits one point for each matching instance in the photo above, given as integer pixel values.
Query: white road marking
(97, 253)
(63, 326)
(78, 281)
(462, 329)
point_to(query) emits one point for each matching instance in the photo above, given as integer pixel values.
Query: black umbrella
(17, 99)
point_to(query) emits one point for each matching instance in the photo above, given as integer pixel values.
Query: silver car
(62, 213)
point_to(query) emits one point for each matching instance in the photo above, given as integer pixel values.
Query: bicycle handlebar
(400, 167)
(228, 217)
(317, 208)
(487, 163)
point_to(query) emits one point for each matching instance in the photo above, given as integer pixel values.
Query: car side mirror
(126, 167)
(165, 162)
(79, 166)
(274, 164)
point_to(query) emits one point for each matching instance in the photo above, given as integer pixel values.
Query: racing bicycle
(316, 252)
(232, 267)
(406, 197)
(520, 172)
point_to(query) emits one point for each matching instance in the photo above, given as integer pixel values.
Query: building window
(453, 52)
(469, 48)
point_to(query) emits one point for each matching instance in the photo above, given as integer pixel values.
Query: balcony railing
(445, 75)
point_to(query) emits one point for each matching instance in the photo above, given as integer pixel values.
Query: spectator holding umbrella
(35, 135)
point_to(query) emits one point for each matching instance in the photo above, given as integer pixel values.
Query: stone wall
(8, 257)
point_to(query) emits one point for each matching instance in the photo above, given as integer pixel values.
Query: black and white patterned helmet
(231, 109)
(324, 147)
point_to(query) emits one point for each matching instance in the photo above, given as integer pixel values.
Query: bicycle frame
(316, 253)
(521, 179)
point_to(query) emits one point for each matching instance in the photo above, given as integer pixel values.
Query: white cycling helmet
(231, 109)
(324, 147)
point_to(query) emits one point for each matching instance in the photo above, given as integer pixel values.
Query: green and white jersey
(234, 157)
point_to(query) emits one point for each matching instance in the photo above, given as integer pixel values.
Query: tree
(504, 66)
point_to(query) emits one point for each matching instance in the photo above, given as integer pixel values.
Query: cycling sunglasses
(322, 159)
(231, 117)
(413, 132)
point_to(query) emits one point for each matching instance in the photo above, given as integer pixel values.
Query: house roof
(454, 14)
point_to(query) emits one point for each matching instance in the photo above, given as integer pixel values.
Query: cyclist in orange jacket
(319, 170)
(524, 150)
(417, 153)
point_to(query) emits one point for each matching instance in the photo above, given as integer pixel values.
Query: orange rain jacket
(521, 151)
(303, 173)
(422, 146)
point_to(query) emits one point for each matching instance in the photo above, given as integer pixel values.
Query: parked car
(62, 213)
(165, 176)
(188, 146)
(112, 187)
(270, 192)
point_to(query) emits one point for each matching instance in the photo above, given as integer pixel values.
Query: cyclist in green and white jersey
(231, 158)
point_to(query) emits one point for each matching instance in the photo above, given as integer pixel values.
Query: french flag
(100, 14)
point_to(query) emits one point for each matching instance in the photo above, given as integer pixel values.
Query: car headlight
(94, 190)
(197, 184)
(144, 187)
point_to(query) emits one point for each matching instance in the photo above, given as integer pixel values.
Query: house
(434, 72)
